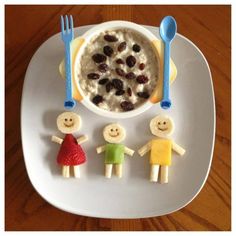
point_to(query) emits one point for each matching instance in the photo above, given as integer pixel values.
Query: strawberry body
(70, 153)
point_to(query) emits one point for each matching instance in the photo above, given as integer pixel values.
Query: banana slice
(162, 126)
(68, 122)
(114, 133)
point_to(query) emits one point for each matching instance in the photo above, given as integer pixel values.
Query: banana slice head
(162, 126)
(68, 122)
(114, 133)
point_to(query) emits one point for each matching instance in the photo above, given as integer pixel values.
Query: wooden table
(27, 27)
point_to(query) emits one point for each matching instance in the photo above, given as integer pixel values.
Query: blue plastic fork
(67, 35)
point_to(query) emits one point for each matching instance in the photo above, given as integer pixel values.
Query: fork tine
(67, 24)
(72, 26)
(62, 24)
(71, 22)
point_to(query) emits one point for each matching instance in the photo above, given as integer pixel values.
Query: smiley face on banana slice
(114, 133)
(68, 122)
(162, 126)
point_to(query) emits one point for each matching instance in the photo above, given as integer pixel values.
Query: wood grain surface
(27, 27)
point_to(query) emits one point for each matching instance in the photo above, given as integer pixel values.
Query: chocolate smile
(68, 126)
(162, 129)
(114, 135)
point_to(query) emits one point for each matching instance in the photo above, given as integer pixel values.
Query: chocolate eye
(164, 122)
(111, 130)
(116, 129)
(70, 119)
(66, 119)
(159, 123)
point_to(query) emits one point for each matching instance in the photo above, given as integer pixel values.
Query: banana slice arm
(143, 150)
(56, 139)
(178, 148)
(129, 151)
(101, 149)
(82, 139)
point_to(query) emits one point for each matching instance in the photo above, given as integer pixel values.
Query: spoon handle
(166, 103)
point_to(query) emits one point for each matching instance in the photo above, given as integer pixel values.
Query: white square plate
(133, 196)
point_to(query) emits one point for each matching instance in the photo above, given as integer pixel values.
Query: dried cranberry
(103, 81)
(93, 76)
(122, 46)
(141, 66)
(127, 106)
(108, 51)
(136, 48)
(120, 72)
(120, 61)
(130, 61)
(110, 38)
(99, 58)
(103, 67)
(129, 91)
(109, 87)
(120, 92)
(130, 75)
(97, 99)
(117, 84)
(143, 95)
(142, 79)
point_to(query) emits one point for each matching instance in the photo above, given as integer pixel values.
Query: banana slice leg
(108, 170)
(154, 173)
(76, 171)
(66, 171)
(164, 174)
(119, 170)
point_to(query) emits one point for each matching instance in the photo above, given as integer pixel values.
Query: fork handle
(68, 68)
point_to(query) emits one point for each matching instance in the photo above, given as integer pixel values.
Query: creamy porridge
(118, 70)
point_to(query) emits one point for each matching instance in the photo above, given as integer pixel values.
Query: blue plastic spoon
(168, 30)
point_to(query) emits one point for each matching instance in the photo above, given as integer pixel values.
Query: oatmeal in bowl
(117, 69)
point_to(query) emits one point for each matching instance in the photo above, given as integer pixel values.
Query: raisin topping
(136, 48)
(127, 106)
(143, 95)
(108, 51)
(120, 92)
(120, 61)
(93, 76)
(109, 87)
(141, 66)
(122, 46)
(120, 72)
(117, 84)
(99, 58)
(130, 75)
(97, 99)
(129, 91)
(110, 38)
(130, 61)
(103, 81)
(142, 79)
(103, 67)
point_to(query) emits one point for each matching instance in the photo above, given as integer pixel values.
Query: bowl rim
(117, 24)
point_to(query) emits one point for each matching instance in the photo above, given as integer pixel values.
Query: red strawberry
(70, 153)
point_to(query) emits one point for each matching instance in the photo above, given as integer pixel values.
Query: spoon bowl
(168, 28)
